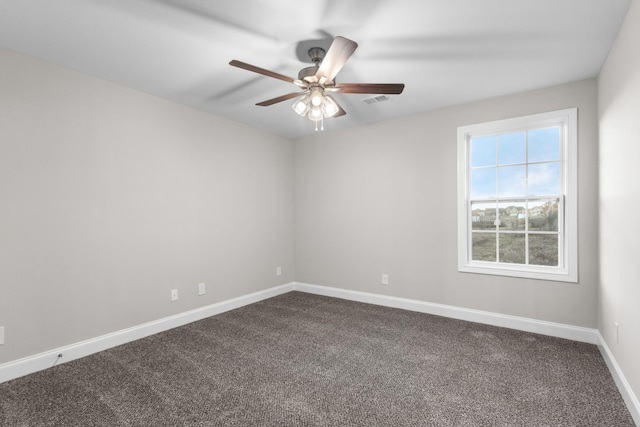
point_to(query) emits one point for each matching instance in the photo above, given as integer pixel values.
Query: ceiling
(447, 52)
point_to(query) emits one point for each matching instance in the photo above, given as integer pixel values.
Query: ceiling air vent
(376, 98)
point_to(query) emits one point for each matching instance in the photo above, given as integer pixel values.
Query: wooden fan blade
(262, 71)
(280, 99)
(340, 50)
(373, 88)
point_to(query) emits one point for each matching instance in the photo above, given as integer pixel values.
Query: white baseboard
(39, 362)
(574, 333)
(623, 385)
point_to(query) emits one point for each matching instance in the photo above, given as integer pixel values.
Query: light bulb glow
(329, 107)
(316, 100)
(315, 114)
(316, 96)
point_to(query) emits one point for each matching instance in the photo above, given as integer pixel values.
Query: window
(517, 197)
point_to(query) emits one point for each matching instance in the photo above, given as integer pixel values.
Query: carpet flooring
(306, 360)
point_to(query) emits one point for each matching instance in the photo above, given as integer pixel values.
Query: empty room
(330, 213)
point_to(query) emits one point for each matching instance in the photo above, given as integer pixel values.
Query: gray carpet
(306, 360)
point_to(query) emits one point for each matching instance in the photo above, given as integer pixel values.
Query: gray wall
(382, 199)
(110, 197)
(619, 115)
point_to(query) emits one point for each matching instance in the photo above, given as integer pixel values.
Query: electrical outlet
(201, 289)
(174, 294)
(385, 279)
(617, 335)
(278, 271)
(1, 335)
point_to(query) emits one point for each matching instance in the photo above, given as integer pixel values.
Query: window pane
(543, 215)
(512, 148)
(544, 144)
(483, 151)
(543, 249)
(544, 179)
(512, 215)
(483, 216)
(483, 246)
(512, 181)
(512, 248)
(483, 183)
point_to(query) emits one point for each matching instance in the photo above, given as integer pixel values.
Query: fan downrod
(316, 54)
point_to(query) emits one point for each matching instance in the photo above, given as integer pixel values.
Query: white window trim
(567, 271)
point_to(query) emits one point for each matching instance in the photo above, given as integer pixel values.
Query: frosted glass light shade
(329, 107)
(301, 105)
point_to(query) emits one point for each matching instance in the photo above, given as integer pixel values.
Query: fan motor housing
(308, 74)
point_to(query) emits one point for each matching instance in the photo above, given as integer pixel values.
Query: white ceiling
(447, 52)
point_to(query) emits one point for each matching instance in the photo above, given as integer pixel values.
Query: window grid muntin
(560, 124)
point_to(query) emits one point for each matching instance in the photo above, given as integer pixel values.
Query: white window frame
(567, 269)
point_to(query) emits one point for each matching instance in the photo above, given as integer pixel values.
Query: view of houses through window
(509, 227)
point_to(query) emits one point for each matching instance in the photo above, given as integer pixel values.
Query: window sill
(551, 274)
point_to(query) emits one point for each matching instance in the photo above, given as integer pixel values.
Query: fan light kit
(316, 81)
(316, 105)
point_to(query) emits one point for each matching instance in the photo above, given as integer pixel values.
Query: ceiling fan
(318, 82)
